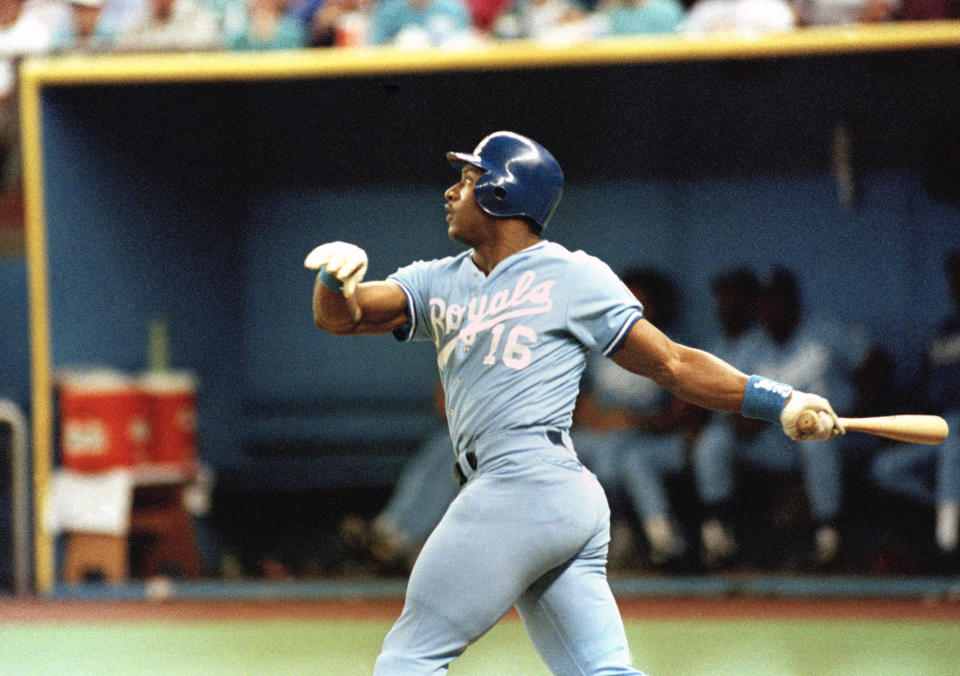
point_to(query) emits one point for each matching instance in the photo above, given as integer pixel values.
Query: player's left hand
(347, 262)
(803, 401)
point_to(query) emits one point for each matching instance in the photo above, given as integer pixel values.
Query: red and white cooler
(103, 421)
(171, 400)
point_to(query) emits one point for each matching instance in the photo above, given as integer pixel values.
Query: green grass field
(342, 648)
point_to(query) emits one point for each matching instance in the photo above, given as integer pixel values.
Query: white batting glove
(347, 262)
(829, 426)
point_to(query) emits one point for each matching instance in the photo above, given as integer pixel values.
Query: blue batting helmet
(522, 178)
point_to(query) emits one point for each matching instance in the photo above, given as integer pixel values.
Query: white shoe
(826, 545)
(719, 544)
(665, 543)
(388, 543)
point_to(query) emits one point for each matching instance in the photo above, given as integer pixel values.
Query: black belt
(458, 471)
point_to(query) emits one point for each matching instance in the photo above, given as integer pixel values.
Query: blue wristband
(764, 398)
(329, 280)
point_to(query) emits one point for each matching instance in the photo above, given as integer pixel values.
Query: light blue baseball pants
(529, 529)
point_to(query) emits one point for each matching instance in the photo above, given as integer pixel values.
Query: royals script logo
(453, 323)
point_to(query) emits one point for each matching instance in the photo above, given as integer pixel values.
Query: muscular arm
(376, 307)
(693, 375)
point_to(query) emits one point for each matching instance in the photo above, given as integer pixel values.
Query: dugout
(189, 188)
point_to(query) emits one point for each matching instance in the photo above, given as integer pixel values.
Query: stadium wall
(189, 188)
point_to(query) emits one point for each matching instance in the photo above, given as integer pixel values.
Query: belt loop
(561, 440)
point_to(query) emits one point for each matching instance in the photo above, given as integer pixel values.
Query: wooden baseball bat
(918, 429)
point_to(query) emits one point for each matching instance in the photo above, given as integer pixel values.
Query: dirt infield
(41, 611)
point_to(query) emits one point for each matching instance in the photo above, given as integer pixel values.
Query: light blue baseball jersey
(511, 346)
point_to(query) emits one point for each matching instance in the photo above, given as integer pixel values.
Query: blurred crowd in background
(31, 27)
(40, 26)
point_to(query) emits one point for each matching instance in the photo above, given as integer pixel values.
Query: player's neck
(510, 239)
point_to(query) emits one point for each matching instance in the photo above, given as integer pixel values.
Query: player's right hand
(347, 262)
(829, 426)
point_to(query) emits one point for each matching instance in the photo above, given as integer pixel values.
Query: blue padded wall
(879, 265)
(128, 244)
(14, 333)
(198, 201)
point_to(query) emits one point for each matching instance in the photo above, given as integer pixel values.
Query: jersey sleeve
(601, 310)
(413, 280)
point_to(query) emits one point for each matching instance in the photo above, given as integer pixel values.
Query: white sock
(717, 541)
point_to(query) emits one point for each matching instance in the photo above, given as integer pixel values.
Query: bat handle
(808, 421)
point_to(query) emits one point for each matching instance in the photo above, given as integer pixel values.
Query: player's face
(467, 223)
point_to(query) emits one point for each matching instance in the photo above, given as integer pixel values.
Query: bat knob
(808, 421)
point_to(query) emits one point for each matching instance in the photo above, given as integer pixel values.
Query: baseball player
(931, 474)
(512, 319)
